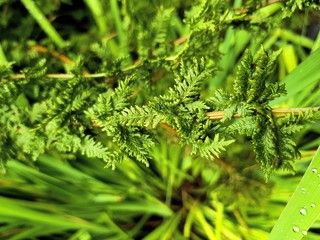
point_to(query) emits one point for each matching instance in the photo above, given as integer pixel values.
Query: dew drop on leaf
(314, 170)
(304, 233)
(295, 229)
(313, 205)
(303, 211)
(303, 190)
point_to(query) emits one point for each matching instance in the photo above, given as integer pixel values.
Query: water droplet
(304, 233)
(319, 175)
(303, 211)
(313, 205)
(314, 170)
(296, 229)
(303, 190)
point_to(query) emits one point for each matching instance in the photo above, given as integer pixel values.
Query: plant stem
(62, 75)
(60, 56)
(217, 115)
(277, 112)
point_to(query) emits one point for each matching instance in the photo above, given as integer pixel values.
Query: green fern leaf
(92, 148)
(244, 73)
(210, 148)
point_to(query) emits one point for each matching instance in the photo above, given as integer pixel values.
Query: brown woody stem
(277, 112)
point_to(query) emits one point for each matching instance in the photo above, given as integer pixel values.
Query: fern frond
(196, 15)
(188, 83)
(220, 100)
(291, 6)
(110, 102)
(8, 91)
(30, 142)
(242, 77)
(292, 123)
(140, 116)
(93, 148)
(262, 69)
(102, 107)
(64, 141)
(122, 94)
(37, 71)
(112, 160)
(196, 107)
(244, 126)
(135, 145)
(272, 91)
(5, 70)
(210, 148)
(80, 99)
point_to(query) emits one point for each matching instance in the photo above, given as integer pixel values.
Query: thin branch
(62, 75)
(277, 112)
(60, 56)
(217, 115)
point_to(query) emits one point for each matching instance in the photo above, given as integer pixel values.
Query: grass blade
(24, 211)
(43, 22)
(97, 11)
(121, 33)
(166, 229)
(303, 208)
(3, 58)
(301, 77)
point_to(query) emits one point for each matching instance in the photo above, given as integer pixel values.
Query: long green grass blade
(96, 9)
(3, 58)
(316, 43)
(304, 206)
(43, 22)
(297, 39)
(23, 210)
(119, 26)
(208, 229)
(301, 77)
(166, 229)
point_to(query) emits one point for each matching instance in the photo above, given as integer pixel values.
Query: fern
(211, 148)
(92, 148)
(244, 72)
(182, 109)
(290, 6)
(5, 70)
(39, 70)
(146, 77)
(273, 143)
(114, 115)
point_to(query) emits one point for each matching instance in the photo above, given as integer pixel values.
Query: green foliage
(132, 82)
(273, 142)
(290, 6)
(87, 116)
(303, 206)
